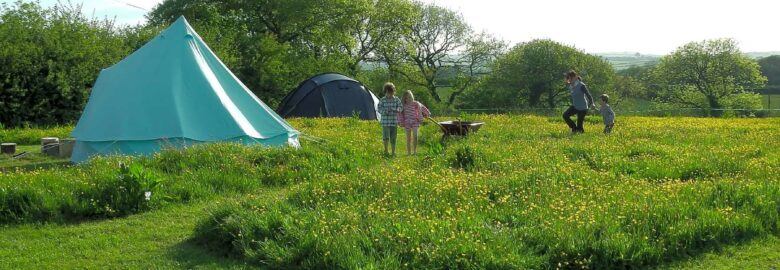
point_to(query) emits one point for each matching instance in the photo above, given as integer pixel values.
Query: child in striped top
(410, 119)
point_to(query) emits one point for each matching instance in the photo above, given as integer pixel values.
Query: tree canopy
(271, 45)
(770, 67)
(50, 56)
(48, 60)
(531, 74)
(707, 74)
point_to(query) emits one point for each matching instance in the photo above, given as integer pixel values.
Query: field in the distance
(521, 193)
(771, 102)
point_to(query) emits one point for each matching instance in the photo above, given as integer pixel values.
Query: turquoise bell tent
(173, 92)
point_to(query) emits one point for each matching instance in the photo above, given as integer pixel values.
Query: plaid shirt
(389, 109)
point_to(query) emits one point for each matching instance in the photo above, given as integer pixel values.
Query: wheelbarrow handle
(437, 123)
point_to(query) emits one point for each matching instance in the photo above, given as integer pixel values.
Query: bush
(32, 136)
(60, 197)
(21, 205)
(745, 104)
(260, 238)
(130, 192)
(466, 158)
(98, 189)
(48, 59)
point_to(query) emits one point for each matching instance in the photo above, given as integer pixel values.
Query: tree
(635, 82)
(224, 31)
(436, 34)
(272, 45)
(376, 29)
(532, 73)
(628, 88)
(637, 72)
(770, 67)
(474, 63)
(705, 74)
(241, 39)
(48, 59)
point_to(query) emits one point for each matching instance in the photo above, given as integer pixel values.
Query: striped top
(413, 115)
(389, 108)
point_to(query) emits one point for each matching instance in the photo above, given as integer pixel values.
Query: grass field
(28, 142)
(30, 158)
(679, 193)
(32, 136)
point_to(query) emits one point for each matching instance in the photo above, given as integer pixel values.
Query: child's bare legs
(414, 138)
(408, 141)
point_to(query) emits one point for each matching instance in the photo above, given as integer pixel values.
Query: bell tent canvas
(330, 95)
(173, 92)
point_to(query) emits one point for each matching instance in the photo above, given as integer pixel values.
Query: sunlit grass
(521, 193)
(533, 197)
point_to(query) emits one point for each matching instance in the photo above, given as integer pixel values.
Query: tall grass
(100, 189)
(523, 194)
(32, 136)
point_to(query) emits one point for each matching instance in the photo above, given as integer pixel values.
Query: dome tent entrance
(173, 91)
(330, 95)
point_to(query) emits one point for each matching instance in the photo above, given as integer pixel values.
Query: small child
(413, 115)
(389, 107)
(607, 114)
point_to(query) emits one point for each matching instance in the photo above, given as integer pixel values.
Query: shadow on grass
(192, 255)
(758, 253)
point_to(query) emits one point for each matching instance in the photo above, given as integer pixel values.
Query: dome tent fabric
(173, 91)
(330, 95)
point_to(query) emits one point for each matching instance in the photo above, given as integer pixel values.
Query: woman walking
(581, 101)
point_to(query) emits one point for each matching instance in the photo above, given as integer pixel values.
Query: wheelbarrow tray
(459, 128)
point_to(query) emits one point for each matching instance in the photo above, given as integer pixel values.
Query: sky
(124, 11)
(594, 26)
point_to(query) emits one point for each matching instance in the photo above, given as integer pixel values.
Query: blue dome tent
(330, 95)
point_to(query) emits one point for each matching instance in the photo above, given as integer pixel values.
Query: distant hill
(620, 60)
(758, 55)
(624, 60)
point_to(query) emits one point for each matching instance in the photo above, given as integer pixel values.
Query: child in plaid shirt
(389, 107)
